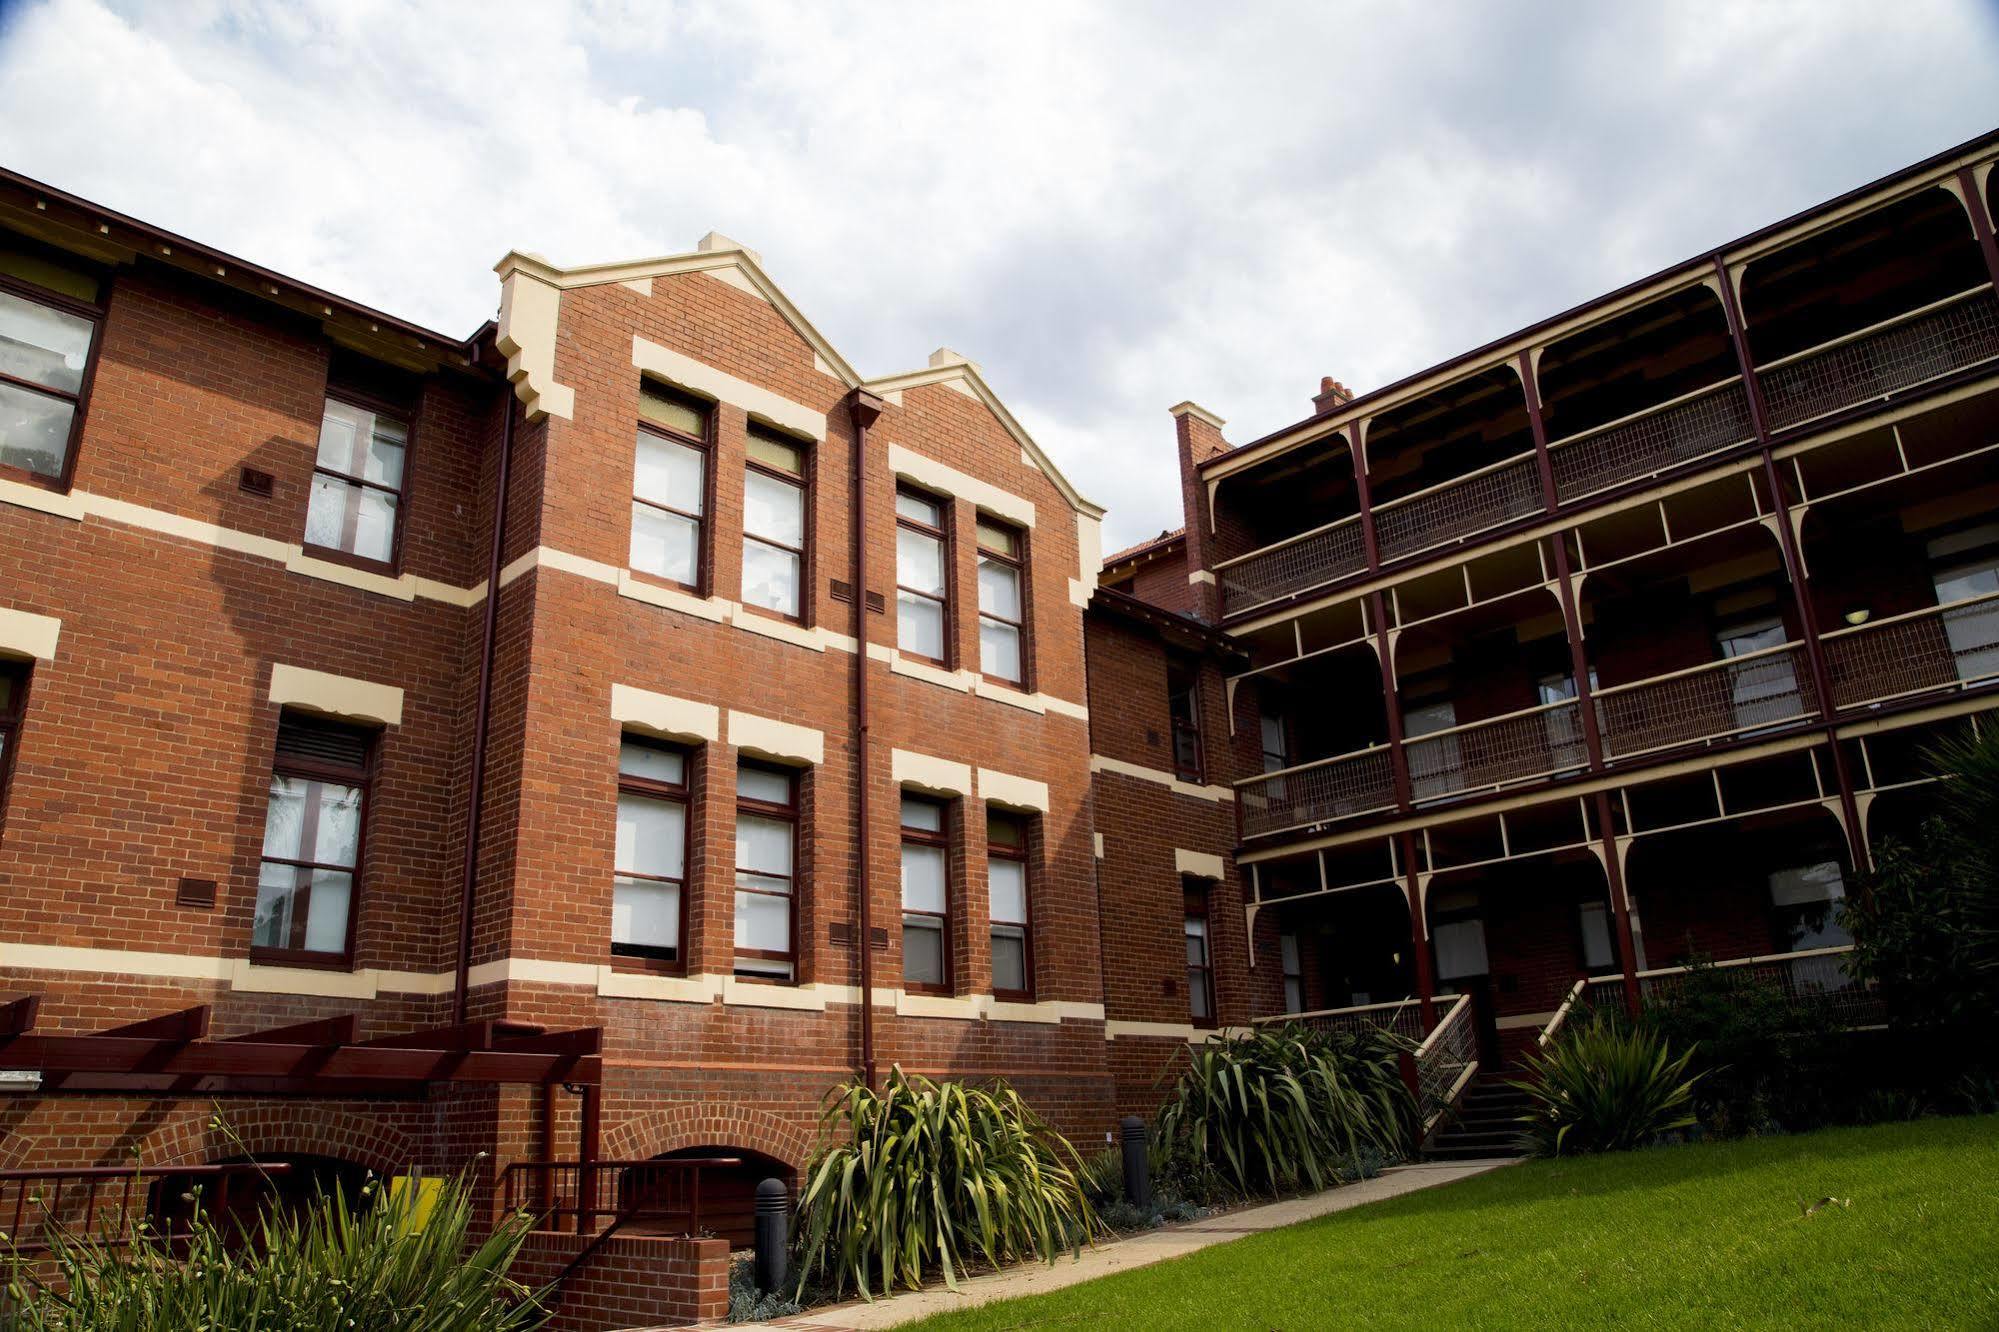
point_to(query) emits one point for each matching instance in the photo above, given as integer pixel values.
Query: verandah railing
(1445, 1057)
(108, 1204)
(1817, 977)
(1955, 645)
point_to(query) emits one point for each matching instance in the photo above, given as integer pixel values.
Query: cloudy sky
(1110, 207)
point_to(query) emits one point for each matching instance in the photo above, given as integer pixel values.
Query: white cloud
(1111, 207)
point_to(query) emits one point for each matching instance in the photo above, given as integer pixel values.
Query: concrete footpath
(1153, 1246)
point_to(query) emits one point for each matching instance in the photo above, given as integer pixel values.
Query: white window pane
(1596, 935)
(671, 410)
(922, 950)
(277, 886)
(926, 815)
(652, 837)
(1007, 887)
(43, 345)
(999, 589)
(763, 846)
(923, 877)
(763, 923)
(664, 543)
(919, 562)
(653, 763)
(1461, 949)
(774, 452)
(34, 430)
(339, 428)
(1807, 884)
(999, 650)
(1197, 943)
(763, 966)
(773, 509)
(326, 914)
(919, 626)
(358, 442)
(339, 839)
(1971, 580)
(1197, 997)
(1287, 945)
(375, 527)
(326, 512)
(770, 578)
(1009, 959)
(763, 784)
(670, 474)
(647, 914)
(917, 508)
(385, 453)
(284, 819)
(991, 536)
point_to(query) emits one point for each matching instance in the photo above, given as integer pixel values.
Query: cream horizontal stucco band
(776, 739)
(29, 635)
(336, 695)
(1200, 864)
(1102, 763)
(696, 377)
(934, 475)
(1003, 788)
(926, 772)
(664, 715)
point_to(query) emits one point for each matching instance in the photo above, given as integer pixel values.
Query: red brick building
(1608, 645)
(598, 737)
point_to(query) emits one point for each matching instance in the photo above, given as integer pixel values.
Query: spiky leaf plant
(1283, 1107)
(1605, 1086)
(379, 1262)
(923, 1177)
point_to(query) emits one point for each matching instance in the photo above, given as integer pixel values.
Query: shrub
(1282, 1109)
(1605, 1087)
(1757, 1049)
(749, 1304)
(389, 1260)
(1102, 1177)
(923, 1176)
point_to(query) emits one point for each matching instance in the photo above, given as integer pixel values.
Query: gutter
(866, 409)
(482, 710)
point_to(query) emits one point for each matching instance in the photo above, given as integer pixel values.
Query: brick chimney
(1198, 432)
(1331, 394)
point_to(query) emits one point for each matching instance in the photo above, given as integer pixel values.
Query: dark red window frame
(1017, 561)
(360, 776)
(940, 839)
(942, 534)
(80, 400)
(404, 414)
(1018, 855)
(787, 813)
(1200, 976)
(1183, 706)
(704, 444)
(680, 793)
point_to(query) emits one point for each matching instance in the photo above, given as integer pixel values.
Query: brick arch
(275, 1129)
(707, 1124)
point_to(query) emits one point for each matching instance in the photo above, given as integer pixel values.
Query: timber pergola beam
(314, 1057)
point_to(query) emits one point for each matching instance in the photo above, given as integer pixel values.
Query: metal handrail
(1718, 664)
(1334, 1012)
(1905, 317)
(92, 1178)
(1291, 540)
(1642, 413)
(1561, 1014)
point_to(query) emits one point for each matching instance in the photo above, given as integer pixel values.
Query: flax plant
(1605, 1086)
(1285, 1108)
(924, 1178)
(385, 1262)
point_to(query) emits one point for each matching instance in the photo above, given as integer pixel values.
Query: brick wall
(631, 1281)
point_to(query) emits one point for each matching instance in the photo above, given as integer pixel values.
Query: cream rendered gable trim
(947, 367)
(1089, 557)
(664, 715)
(1101, 763)
(1001, 788)
(985, 1008)
(773, 739)
(934, 475)
(29, 634)
(530, 308)
(705, 380)
(235, 972)
(1197, 411)
(336, 695)
(926, 772)
(736, 266)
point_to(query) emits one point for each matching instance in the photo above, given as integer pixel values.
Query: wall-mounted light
(1858, 616)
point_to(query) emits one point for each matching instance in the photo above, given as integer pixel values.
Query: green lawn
(1706, 1236)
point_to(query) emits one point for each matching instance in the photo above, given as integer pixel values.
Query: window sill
(300, 959)
(365, 564)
